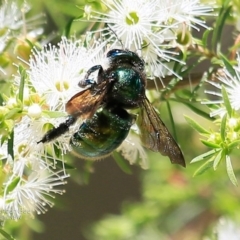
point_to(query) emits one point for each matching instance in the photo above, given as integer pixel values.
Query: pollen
(62, 86)
(132, 18)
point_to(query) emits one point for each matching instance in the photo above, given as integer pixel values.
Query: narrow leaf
(204, 156)
(230, 171)
(196, 126)
(23, 74)
(196, 110)
(54, 114)
(233, 144)
(223, 127)
(13, 184)
(88, 169)
(13, 113)
(205, 37)
(171, 120)
(59, 164)
(6, 235)
(210, 144)
(227, 103)
(67, 29)
(200, 83)
(10, 145)
(217, 160)
(121, 162)
(228, 65)
(220, 23)
(204, 167)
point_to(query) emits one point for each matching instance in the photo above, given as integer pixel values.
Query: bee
(103, 107)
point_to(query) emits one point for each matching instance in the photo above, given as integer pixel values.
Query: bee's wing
(85, 103)
(155, 135)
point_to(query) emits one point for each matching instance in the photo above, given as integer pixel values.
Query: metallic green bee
(103, 106)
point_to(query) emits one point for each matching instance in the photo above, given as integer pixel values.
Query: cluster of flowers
(224, 137)
(152, 28)
(38, 96)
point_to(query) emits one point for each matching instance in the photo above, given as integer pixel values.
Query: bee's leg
(58, 131)
(86, 81)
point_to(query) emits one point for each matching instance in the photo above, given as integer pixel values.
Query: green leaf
(172, 121)
(13, 184)
(54, 114)
(223, 127)
(57, 150)
(13, 113)
(6, 235)
(226, 101)
(210, 144)
(67, 29)
(184, 93)
(200, 83)
(173, 82)
(196, 126)
(230, 171)
(23, 74)
(10, 145)
(83, 175)
(224, 13)
(121, 162)
(205, 37)
(204, 167)
(217, 160)
(60, 165)
(228, 65)
(193, 108)
(204, 156)
(234, 144)
(31, 44)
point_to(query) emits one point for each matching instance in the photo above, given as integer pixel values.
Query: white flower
(31, 175)
(131, 21)
(132, 150)
(232, 86)
(158, 59)
(150, 27)
(25, 147)
(28, 154)
(184, 12)
(14, 30)
(227, 229)
(135, 24)
(10, 16)
(55, 72)
(32, 195)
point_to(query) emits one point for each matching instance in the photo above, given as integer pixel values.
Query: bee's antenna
(116, 36)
